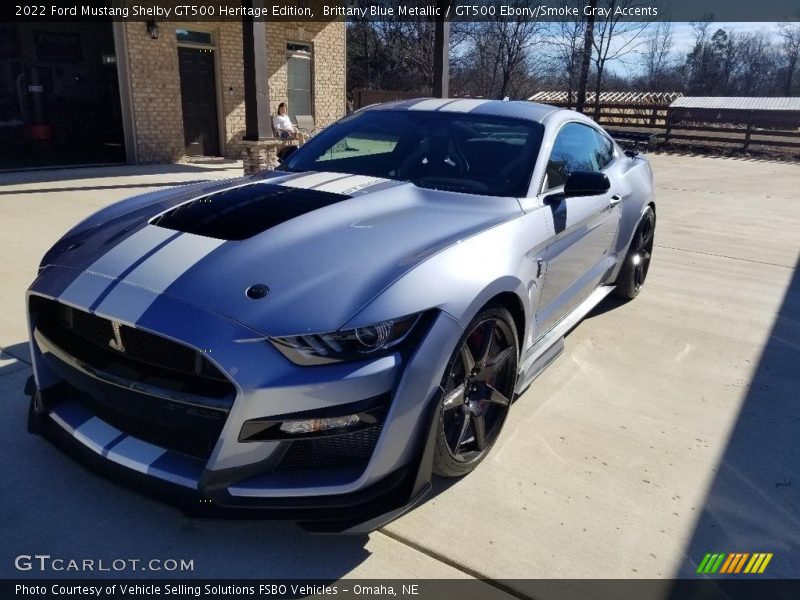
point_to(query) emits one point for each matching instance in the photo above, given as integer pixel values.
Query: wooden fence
(745, 128)
(364, 97)
(660, 124)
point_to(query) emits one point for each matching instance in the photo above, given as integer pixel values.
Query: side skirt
(550, 346)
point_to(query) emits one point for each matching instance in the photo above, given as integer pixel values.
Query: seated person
(283, 126)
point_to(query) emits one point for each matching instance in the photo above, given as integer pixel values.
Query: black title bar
(403, 10)
(393, 589)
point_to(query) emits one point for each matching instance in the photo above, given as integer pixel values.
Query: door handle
(614, 200)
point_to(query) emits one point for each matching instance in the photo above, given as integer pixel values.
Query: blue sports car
(318, 340)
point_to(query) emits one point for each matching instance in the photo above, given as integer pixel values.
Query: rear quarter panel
(638, 176)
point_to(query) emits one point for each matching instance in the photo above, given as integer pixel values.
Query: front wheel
(637, 262)
(478, 388)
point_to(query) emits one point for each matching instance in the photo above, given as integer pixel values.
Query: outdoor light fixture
(152, 29)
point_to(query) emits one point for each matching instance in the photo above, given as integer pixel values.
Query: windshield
(477, 154)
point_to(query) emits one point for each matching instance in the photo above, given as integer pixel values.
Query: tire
(634, 270)
(478, 390)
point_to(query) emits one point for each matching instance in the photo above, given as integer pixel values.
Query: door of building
(59, 95)
(199, 101)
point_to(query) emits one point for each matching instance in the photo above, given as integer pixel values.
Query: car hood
(323, 250)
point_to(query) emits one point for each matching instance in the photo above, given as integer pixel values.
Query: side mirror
(285, 152)
(586, 183)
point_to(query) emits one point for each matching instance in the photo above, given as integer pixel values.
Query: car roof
(520, 109)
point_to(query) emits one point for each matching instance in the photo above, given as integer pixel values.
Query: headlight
(348, 345)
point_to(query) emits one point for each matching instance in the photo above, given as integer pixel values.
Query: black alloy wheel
(478, 389)
(637, 262)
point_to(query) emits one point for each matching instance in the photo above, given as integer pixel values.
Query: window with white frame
(299, 59)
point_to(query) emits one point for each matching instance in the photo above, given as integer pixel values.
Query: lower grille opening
(180, 432)
(338, 452)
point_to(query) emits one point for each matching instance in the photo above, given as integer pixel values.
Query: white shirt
(283, 123)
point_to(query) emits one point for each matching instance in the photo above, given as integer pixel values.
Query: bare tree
(504, 57)
(500, 60)
(657, 55)
(726, 50)
(790, 49)
(568, 44)
(516, 40)
(698, 61)
(614, 39)
(393, 54)
(586, 56)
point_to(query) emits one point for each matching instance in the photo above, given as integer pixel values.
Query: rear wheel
(478, 388)
(637, 262)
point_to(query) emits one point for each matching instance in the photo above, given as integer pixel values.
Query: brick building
(87, 93)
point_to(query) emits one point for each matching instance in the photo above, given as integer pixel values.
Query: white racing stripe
(464, 105)
(119, 258)
(173, 260)
(99, 436)
(350, 185)
(309, 181)
(85, 289)
(431, 104)
(135, 454)
(158, 272)
(96, 434)
(62, 422)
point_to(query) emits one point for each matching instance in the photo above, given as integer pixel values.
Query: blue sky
(684, 36)
(683, 40)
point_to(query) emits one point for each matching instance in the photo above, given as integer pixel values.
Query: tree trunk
(588, 42)
(367, 78)
(790, 75)
(597, 88)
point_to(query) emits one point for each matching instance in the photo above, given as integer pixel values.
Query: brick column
(258, 155)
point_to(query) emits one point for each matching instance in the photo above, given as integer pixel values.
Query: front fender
(465, 277)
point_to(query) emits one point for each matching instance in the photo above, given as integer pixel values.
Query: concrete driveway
(668, 428)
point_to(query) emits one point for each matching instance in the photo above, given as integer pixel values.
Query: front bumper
(240, 476)
(353, 513)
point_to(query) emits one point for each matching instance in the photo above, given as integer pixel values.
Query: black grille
(147, 358)
(139, 345)
(338, 452)
(187, 398)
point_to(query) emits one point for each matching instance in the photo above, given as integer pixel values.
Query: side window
(605, 150)
(576, 148)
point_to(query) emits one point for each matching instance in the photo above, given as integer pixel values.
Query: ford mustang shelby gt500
(318, 340)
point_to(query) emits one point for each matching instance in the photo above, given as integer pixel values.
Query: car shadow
(84, 173)
(608, 304)
(48, 190)
(52, 505)
(20, 351)
(753, 502)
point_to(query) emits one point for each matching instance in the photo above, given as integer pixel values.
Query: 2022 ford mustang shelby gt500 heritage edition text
(318, 340)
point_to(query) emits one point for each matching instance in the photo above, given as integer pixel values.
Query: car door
(580, 252)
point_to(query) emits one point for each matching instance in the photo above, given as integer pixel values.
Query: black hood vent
(243, 212)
